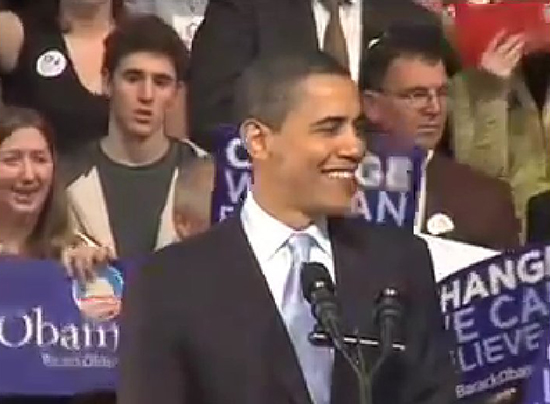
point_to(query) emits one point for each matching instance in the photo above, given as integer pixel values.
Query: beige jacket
(90, 217)
(86, 199)
(498, 130)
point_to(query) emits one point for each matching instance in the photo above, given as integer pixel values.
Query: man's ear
(182, 225)
(371, 106)
(256, 138)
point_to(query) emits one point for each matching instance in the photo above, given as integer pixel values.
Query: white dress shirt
(268, 238)
(351, 18)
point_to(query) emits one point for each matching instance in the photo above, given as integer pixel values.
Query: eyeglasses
(420, 98)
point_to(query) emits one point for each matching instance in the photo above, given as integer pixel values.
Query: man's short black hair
(146, 34)
(266, 89)
(425, 42)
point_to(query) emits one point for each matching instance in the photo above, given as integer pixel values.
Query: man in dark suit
(210, 320)
(538, 218)
(235, 32)
(406, 94)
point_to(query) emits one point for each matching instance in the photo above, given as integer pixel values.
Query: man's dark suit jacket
(235, 32)
(200, 326)
(480, 207)
(538, 218)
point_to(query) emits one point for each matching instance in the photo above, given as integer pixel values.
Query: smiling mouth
(25, 196)
(341, 175)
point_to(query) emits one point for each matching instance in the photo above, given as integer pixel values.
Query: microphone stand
(364, 377)
(354, 344)
(356, 362)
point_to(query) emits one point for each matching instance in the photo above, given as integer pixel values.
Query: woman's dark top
(45, 79)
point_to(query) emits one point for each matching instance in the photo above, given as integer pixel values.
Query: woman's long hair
(52, 230)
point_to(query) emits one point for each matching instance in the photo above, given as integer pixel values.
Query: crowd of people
(107, 125)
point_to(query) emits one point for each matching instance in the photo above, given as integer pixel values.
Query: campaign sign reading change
(57, 337)
(390, 179)
(497, 310)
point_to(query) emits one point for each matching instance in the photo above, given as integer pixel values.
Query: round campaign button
(439, 224)
(51, 63)
(100, 299)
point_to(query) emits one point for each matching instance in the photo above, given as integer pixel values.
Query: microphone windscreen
(315, 276)
(388, 303)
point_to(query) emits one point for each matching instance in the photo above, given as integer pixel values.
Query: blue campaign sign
(391, 179)
(497, 310)
(233, 173)
(57, 337)
(538, 386)
(391, 176)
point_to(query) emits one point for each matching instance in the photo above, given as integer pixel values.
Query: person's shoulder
(471, 178)
(187, 149)
(10, 18)
(398, 251)
(79, 162)
(357, 229)
(12, 34)
(452, 167)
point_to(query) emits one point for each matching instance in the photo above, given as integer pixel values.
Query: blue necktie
(315, 362)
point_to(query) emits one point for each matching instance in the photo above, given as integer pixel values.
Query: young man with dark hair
(121, 188)
(145, 34)
(405, 93)
(235, 326)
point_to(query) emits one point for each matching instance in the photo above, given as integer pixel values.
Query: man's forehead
(415, 71)
(147, 63)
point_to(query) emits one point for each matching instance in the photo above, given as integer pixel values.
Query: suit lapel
(432, 185)
(259, 311)
(439, 186)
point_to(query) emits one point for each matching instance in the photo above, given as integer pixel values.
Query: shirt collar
(267, 235)
(427, 159)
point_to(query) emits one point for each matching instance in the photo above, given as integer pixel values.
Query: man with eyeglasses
(236, 32)
(405, 93)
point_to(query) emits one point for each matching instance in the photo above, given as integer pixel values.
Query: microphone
(387, 316)
(318, 289)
